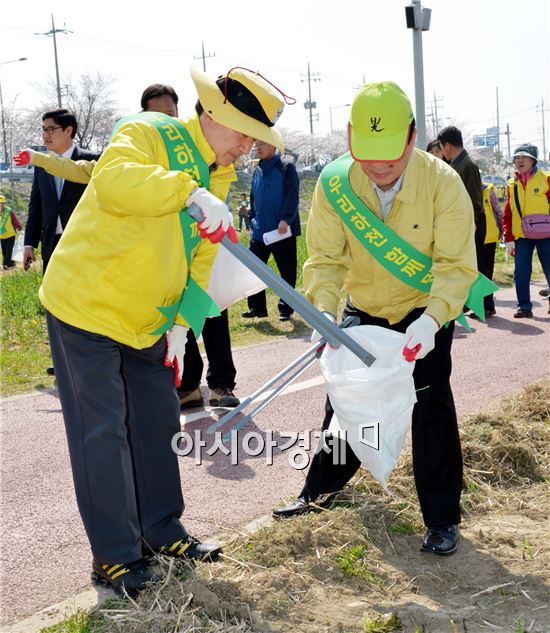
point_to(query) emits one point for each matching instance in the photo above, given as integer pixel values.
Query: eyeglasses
(50, 129)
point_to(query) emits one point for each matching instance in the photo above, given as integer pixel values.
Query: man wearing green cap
(393, 227)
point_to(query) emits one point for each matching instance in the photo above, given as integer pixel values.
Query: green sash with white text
(395, 254)
(4, 220)
(194, 305)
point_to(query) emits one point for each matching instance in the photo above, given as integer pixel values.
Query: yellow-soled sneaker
(124, 577)
(192, 549)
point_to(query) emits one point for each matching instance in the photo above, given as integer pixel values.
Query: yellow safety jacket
(10, 229)
(432, 211)
(122, 255)
(493, 231)
(533, 198)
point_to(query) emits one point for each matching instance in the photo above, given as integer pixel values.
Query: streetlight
(331, 108)
(4, 138)
(418, 19)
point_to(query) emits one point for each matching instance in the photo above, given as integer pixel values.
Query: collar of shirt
(386, 198)
(523, 178)
(69, 152)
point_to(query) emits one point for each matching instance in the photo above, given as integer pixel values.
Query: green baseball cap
(381, 116)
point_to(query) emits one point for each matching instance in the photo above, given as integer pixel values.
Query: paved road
(44, 554)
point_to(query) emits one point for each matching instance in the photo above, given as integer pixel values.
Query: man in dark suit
(53, 199)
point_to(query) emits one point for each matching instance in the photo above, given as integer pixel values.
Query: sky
(473, 50)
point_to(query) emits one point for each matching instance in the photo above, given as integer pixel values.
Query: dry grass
(325, 571)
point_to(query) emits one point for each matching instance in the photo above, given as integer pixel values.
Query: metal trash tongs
(329, 331)
(307, 359)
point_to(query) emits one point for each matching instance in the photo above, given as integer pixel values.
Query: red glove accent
(22, 159)
(410, 354)
(175, 365)
(214, 237)
(218, 234)
(232, 234)
(177, 379)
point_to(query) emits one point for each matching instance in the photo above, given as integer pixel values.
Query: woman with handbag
(527, 223)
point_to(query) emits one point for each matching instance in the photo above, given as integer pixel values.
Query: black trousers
(7, 249)
(121, 413)
(217, 345)
(436, 451)
(284, 254)
(489, 251)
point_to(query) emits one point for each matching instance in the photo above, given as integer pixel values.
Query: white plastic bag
(230, 280)
(372, 405)
(18, 248)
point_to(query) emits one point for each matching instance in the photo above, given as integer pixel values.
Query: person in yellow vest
(390, 192)
(9, 225)
(126, 282)
(528, 193)
(493, 216)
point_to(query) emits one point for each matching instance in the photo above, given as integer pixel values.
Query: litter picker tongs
(287, 376)
(329, 331)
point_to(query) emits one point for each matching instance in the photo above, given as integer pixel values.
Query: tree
(89, 97)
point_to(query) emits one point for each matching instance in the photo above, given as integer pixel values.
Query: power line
(52, 32)
(309, 104)
(204, 57)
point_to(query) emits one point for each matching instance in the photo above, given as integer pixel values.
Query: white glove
(420, 337)
(176, 338)
(315, 336)
(214, 210)
(510, 249)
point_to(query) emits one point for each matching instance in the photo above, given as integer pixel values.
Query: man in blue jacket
(274, 200)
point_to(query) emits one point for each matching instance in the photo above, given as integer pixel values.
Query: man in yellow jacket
(380, 216)
(123, 287)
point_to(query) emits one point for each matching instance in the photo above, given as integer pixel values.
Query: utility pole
(52, 32)
(309, 104)
(204, 57)
(433, 114)
(507, 133)
(542, 111)
(418, 19)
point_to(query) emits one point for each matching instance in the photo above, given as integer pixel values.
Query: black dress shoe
(442, 540)
(50, 371)
(300, 506)
(523, 314)
(254, 314)
(284, 317)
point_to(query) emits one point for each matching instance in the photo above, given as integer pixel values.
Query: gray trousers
(121, 411)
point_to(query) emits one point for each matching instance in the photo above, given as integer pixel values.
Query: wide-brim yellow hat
(2, 198)
(380, 121)
(243, 101)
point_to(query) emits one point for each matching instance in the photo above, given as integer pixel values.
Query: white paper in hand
(274, 236)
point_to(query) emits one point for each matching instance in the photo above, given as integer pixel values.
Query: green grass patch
(79, 622)
(25, 352)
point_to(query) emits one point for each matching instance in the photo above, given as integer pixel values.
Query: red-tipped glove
(25, 157)
(420, 338)
(218, 234)
(176, 338)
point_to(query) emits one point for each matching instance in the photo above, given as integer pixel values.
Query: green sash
(395, 254)
(4, 220)
(194, 305)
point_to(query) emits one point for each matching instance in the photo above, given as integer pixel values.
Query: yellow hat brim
(212, 100)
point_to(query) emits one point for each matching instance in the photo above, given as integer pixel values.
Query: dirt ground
(357, 567)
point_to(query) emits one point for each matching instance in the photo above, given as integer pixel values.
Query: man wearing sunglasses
(53, 199)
